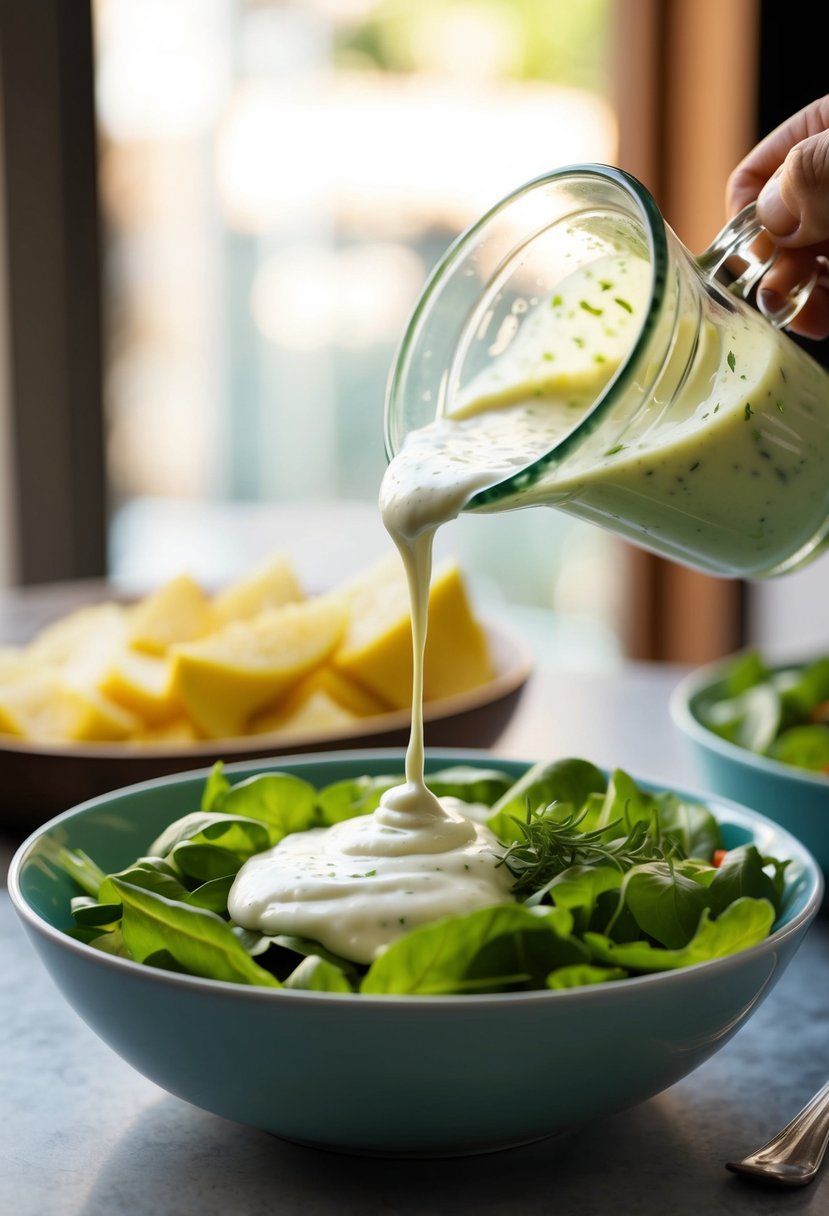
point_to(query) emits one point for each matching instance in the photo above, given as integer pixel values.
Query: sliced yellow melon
(141, 683)
(270, 585)
(457, 652)
(174, 733)
(63, 639)
(323, 699)
(304, 710)
(377, 648)
(93, 654)
(43, 709)
(14, 661)
(178, 611)
(226, 678)
(92, 717)
(23, 701)
(338, 687)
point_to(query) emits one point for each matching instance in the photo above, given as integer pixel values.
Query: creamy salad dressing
(728, 422)
(734, 476)
(357, 886)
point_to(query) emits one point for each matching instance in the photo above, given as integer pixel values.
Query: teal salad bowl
(397, 1075)
(793, 796)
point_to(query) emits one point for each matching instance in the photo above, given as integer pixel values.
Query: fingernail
(769, 302)
(773, 212)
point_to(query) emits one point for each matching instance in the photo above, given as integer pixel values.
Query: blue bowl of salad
(639, 928)
(758, 732)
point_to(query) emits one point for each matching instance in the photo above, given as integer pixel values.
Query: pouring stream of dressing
(357, 886)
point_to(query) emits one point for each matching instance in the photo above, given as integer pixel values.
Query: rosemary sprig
(553, 842)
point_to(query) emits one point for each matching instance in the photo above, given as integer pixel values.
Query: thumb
(794, 203)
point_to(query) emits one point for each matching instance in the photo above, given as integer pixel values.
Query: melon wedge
(377, 648)
(226, 678)
(304, 711)
(141, 683)
(322, 700)
(177, 732)
(78, 631)
(178, 611)
(270, 585)
(41, 708)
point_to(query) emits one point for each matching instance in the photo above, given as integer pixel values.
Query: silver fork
(793, 1156)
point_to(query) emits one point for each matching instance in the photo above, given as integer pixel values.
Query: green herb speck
(587, 307)
(730, 360)
(628, 307)
(749, 410)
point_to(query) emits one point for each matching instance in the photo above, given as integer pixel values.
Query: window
(277, 180)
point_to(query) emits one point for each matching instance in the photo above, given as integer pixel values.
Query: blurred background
(216, 217)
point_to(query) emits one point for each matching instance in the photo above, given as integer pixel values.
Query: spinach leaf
(216, 786)
(212, 894)
(740, 925)
(479, 785)
(316, 974)
(578, 888)
(808, 687)
(750, 720)
(89, 912)
(625, 804)
(82, 869)
(502, 947)
(211, 846)
(744, 671)
(742, 872)
(804, 746)
(569, 781)
(665, 904)
(353, 796)
(200, 941)
(151, 873)
(579, 974)
(284, 802)
(690, 825)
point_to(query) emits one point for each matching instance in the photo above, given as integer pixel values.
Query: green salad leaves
(610, 881)
(780, 712)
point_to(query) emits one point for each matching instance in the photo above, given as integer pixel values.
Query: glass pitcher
(689, 423)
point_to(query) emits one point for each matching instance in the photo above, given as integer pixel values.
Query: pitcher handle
(738, 241)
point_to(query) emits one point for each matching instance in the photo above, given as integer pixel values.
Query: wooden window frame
(55, 492)
(686, 73)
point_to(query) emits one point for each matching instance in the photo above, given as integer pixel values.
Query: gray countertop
(85, 1135)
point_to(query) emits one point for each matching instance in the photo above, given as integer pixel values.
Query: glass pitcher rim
(654, 229)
